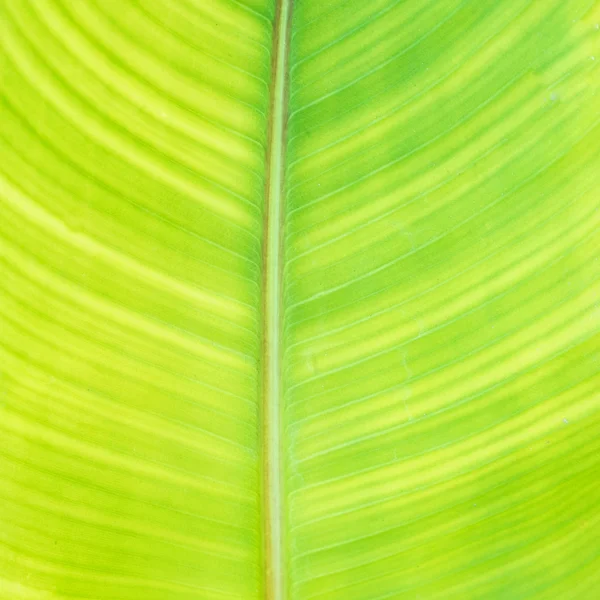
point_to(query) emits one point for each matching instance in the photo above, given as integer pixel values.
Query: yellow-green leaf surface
(299, 299)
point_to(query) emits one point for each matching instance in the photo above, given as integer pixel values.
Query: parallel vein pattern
(436, 401)
(442, 326)
(131, 187)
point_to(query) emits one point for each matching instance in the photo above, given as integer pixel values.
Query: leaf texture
(433, 270)
(441, 292)
(133, 139)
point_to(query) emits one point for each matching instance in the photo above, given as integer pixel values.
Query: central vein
(273, 313)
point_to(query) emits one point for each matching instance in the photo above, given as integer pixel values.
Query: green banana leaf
(299, 300)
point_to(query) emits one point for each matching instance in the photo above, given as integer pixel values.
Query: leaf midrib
(272, 307)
